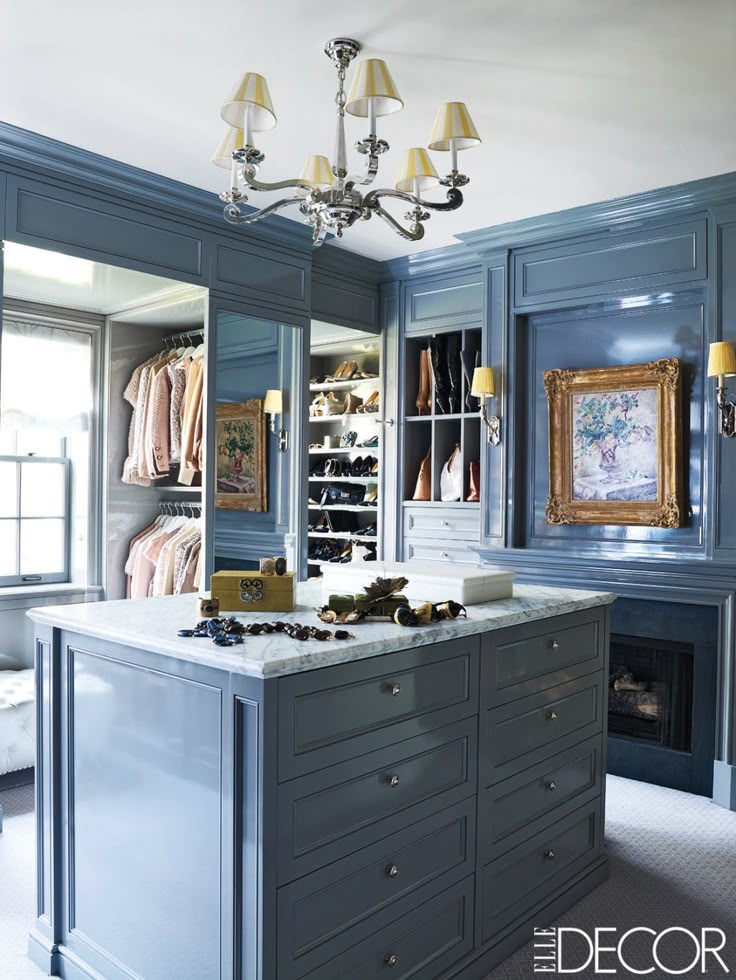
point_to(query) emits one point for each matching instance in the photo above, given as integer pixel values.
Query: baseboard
(44, 954)
(477, 966)
(724, 785)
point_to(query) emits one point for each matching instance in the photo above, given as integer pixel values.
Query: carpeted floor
(673, 863)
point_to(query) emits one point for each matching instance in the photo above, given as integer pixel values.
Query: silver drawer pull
(444, 523)
(550, 785)
(443, 554)
(391, 959)
(553, 644)
(392, 870)
(392, 780)
(549, 855)
(394, 689)
(551, 716)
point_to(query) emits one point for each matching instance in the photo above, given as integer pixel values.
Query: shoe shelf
(326, 356)
(435, 418)
(345, 385)
(371, 450)
(355, 508)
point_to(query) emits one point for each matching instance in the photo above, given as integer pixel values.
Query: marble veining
(152, 624)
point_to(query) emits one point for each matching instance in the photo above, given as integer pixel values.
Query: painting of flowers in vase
(615, 445)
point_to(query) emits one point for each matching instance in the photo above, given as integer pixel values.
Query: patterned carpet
(673, 863)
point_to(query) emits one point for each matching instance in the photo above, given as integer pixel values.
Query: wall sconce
(273, 405)
(722, 362)
(482, 388)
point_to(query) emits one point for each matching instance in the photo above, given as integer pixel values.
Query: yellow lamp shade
(721, 359)
(317, 172)
(251, 91)
(453, 122)
(223, 156)
(482, 386)
(273, 404)
(416, 171)
(373, 81)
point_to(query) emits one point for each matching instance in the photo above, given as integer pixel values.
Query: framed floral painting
(615, 445)
(240, 455)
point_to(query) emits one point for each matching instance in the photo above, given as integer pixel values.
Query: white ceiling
(576, 101)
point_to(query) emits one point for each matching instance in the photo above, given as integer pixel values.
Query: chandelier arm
(453, 202)
(249, 177)
(368, 175)
(235, 217)
(413, 234)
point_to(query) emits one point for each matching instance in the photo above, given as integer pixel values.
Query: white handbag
(451, 477)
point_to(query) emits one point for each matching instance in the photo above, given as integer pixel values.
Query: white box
(428, 581)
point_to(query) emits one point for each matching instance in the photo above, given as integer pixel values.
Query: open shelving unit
(437, 431)
(330, 348)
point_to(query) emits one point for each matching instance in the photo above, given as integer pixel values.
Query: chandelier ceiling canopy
(327, 195)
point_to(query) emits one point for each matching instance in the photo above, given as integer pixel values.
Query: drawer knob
(549, 855)
(551, 716)
(392, 780)
(444, 523)
(391, 959)
(443, 554)
(395, 689)
(392, 870)
(553, 644)
(551, 785)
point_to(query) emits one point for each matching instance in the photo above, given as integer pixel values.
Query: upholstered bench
(17, 722)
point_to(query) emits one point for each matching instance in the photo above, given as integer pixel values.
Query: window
(45, 417)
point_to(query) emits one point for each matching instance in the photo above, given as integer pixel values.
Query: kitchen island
(407, 803)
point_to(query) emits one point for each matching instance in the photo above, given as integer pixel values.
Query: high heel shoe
(423, 395)
(350, 368)
(339, 374)
(370, 404)
(352, 404)
(423, 488)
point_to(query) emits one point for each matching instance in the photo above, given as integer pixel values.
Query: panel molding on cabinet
(267, 273)
(86, 226)
(672, 254)
(444, 302)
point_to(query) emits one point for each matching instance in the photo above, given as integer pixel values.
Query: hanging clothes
(165, 393)
(164, 558)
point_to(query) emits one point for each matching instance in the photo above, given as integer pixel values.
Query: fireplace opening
(650, 692)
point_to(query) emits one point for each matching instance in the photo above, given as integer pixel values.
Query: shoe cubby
(472, 349)
(471, 450)
(417, 443)
(341, 443)
(447, 436)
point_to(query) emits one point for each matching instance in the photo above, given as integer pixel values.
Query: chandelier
(331, 199)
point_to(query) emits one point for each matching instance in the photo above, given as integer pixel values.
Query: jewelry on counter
(230, 631)
(208, 607)
(272, 566)
(383, 599)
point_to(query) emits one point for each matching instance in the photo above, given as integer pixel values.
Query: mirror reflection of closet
(254, 356)
(123, 317)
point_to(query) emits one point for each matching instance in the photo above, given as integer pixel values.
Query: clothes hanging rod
(184, 335)
(180, 508)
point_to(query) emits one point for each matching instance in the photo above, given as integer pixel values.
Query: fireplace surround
(662, 693)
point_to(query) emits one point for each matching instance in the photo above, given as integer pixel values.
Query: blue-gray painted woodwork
(393, 435)
(172, 837)
(345, 289)
(444, 303)
(640, 260)
(724, 463)
(267, 275)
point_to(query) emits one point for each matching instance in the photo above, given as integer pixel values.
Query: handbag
(348, 496)
(423, 488)
(451, 477)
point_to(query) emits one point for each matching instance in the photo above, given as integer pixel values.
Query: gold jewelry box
(253, 592)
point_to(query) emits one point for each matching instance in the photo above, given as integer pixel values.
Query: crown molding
(39, 156)
(329, 260)
(451, 258)
(618, 214)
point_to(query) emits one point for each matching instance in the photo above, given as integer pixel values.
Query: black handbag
(347, 496)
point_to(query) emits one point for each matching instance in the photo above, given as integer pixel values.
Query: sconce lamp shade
(317, 172)
(223, 156)
(416, 171)
(453, 122)
(250, 91)
(721, 359)
(274, 402)
(372, 81)
(482, 386)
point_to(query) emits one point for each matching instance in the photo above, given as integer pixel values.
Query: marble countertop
(152, 624)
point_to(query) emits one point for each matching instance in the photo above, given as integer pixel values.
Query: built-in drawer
(511, 886)
(329, 814)
(522, 733)
(325, 913)
(529, 658)
(441, 522)
(327, 716)
(420, 944)
(415, 549)
(546, 791)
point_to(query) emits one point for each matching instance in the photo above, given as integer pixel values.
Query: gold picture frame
(240, 456)
(615, 445)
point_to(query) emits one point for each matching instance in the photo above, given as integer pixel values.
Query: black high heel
(438, 357)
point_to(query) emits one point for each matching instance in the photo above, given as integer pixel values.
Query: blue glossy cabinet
(411, 812)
